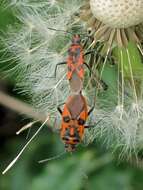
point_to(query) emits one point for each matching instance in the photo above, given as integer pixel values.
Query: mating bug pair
(75, 111)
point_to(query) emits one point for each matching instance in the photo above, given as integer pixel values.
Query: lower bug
(74, 115)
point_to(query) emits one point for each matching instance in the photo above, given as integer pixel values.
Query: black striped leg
(91, 126)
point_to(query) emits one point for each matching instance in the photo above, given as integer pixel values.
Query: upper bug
(75, 65)
(75, 58)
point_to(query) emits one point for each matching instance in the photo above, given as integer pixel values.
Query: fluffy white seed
(118, 13)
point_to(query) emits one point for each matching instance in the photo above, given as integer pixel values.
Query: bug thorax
(72, 130)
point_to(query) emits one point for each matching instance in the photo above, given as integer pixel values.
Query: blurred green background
(90, 167)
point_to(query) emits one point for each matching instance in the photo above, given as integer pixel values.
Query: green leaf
(112, 179)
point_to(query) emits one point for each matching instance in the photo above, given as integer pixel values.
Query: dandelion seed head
(118, 13)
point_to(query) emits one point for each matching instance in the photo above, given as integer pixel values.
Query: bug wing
(76, 105)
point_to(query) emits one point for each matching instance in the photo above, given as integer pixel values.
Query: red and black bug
(74, 116)
(75, 65)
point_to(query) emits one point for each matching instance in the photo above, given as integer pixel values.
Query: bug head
(76, 39)
(71, 138)
(72, 133)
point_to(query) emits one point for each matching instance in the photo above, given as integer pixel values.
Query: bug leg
(91, 110)
(103, 84)
(90, 52)
(90, 71)
(111, 60)
(88, 126)
(91, 126)
(61, 63)
(94, 52)
(59, 109)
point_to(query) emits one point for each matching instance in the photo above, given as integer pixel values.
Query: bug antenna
(81, 34)
(59, 30)
(52, 158)
(19, 154)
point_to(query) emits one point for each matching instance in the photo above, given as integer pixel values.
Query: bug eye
(81, 121)
(66, 119)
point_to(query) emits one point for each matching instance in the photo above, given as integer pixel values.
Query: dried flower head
(114, 21)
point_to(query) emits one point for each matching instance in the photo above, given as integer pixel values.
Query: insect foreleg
(62, 63)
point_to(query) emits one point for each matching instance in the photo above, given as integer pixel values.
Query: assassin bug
(74, 115)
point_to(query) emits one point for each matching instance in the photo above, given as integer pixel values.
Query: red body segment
(75, 60)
